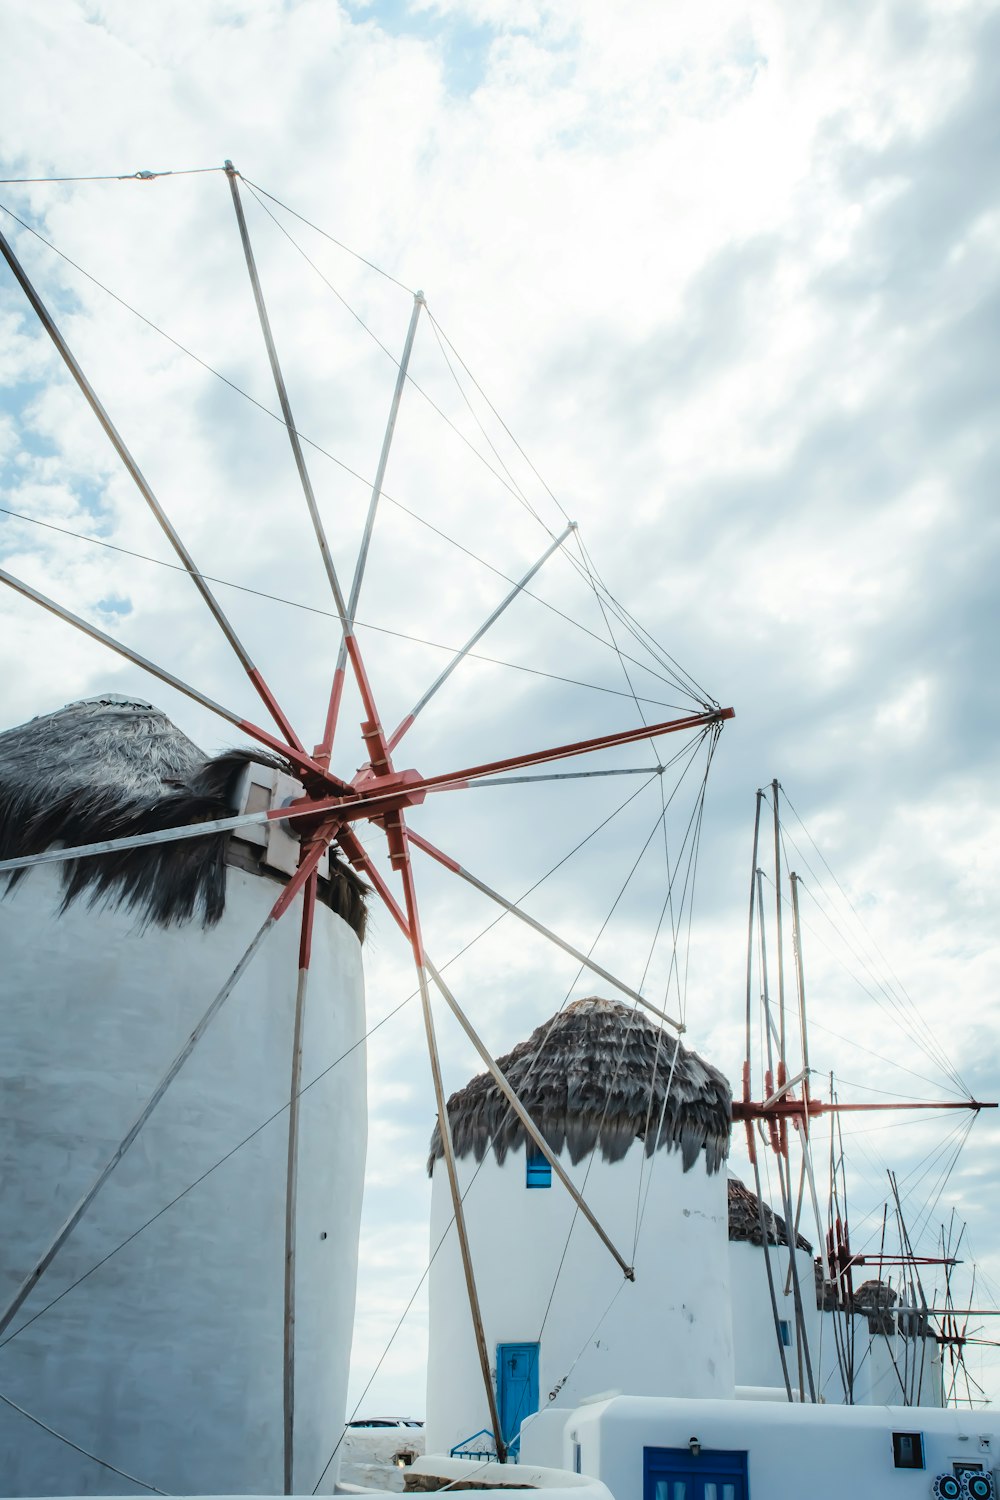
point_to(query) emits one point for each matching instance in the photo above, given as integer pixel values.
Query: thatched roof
(594, 1075)
(879, 1303)
(744, 1219)
(109, 767)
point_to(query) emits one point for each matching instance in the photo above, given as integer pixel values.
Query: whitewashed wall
(884, 1365)
(168, 1360)
(825, 1452)
(755, 1347)
(669, 1332)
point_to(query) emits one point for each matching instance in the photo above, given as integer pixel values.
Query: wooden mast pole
(447, 1145)
(751, 1144)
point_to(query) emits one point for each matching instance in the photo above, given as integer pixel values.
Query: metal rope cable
(940, 1057)
(930, 1047)
(112, 176)
(480, 1165)
(256, 187)
(511, 486)
(314, 609)
(928, 1162)
(318, 448)
(510, 483)
(621, 1054)
(681, 998)
(924, 1216)
(889, 1006)
(122, 1474)
(949, 1067)
(375, 338)
(690, 873)
(879, 1056)
(643, 636)
(673, 971)
(516, 490)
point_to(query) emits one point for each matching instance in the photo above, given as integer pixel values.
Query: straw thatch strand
(111, 767)
(744, 1219)
(596, 1075)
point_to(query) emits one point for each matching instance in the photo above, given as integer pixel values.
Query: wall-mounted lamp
(694, 1447)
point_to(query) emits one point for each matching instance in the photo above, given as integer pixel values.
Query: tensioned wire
(102, 1462)
(512, 486)
(914, 1177)
(552, 1023)
(491, 1151)
(681, 998)
(891, 1004)
(692, 874)
(509, 482)
(637, 631)
(621, 1053)
(890, 1011)
(936, 1055)
(326, 613)
(671, 680)
(949, 1068)
(113, 176)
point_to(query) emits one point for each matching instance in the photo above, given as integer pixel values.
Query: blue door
(679, 1474)
(517, 1388)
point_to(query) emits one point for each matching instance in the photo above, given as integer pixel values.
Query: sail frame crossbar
(326, 814)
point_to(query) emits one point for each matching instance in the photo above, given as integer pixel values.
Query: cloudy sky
(728, 274)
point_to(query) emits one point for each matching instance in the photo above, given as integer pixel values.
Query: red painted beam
(786, 1108)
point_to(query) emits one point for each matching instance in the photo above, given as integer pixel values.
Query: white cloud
(730, 276)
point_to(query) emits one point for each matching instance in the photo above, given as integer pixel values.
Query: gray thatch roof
(109, 767)
(744, 1219)
(595, 1074)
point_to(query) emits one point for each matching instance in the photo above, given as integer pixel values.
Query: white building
(863, 1350)
(560, 1320)
(166, 1360)
(677, 1449)
(759, 1345)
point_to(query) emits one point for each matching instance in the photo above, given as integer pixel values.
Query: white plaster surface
(825, 1452)
(877, 1357)
(167, 1361)
(884, 1365)
(669, 1332)
(755, 1347)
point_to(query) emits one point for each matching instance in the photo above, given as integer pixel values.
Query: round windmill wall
(666, 1334)
(543, 1275)
(167, 1361)
(755, 1339)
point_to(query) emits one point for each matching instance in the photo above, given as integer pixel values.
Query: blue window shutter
(537, 1171)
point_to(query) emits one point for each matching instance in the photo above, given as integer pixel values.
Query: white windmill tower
(169, 1357)
(641, 1125)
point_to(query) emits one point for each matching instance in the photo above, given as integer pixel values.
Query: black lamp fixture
(694, 1447)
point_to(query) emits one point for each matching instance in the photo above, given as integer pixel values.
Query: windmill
(787, 1108)
(328, 812)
